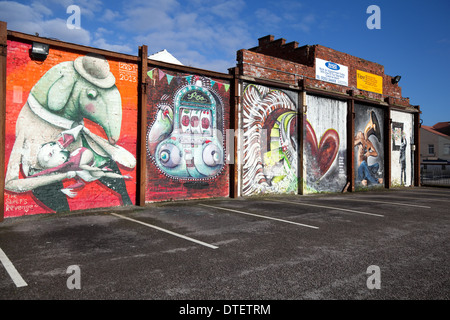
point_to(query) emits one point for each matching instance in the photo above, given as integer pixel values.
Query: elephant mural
(187, 122)
(58, 103)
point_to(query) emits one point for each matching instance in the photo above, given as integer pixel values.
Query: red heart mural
(323, 153)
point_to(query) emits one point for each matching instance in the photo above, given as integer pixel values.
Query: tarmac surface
(389, 244)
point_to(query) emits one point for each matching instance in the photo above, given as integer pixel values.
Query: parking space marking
(260, 216)
(166, 231)
(386, 202)
(420, 199)
(327, 207)
(425, 193)
(12, 271)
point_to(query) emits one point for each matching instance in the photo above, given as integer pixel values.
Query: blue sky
(414, 39)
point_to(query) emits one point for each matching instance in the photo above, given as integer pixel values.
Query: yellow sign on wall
(369, 82)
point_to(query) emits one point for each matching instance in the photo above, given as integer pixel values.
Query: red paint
(323, 153)
(22, 74)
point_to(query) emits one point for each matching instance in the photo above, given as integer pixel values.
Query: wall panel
(270, 141)
(325, 145)
(188, 116)
(369, 147)
(70, 141)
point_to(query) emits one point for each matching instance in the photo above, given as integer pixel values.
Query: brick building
(340, 99)
(285, 119)
(435, 144)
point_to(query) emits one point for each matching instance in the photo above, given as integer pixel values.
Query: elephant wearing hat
(61, 99)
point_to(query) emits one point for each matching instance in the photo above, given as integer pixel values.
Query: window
(431, 149)
(447, 149)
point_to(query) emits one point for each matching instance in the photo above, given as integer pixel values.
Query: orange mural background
(22, 75)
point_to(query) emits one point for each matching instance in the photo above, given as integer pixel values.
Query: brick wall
(287, 62)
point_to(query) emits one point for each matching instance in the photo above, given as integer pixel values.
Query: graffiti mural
(402, 136)
(269, 141)
(369, 146)
(185, 135)
(325, 145)
(67, 135)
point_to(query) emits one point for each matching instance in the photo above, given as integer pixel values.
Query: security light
(39, 51)
(396, 79)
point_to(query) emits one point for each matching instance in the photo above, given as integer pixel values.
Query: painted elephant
(64, 96)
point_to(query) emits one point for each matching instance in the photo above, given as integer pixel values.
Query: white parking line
(387, 202)
(167, 231)
(428, 193)
(327, 207)
(260, 216)
(15, 276)
(422, 199)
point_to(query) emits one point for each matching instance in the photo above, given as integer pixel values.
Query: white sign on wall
(331, 72)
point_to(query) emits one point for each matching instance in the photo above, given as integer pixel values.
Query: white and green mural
(402, 140)
(269, 140)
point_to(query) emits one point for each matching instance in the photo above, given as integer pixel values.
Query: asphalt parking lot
(360, 246)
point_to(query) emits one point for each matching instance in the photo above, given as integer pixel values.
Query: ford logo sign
(332, 65)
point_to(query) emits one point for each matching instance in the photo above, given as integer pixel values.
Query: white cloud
(88, 8)
(228, 9)
(20, 17)
(40, 8)
(199, 33)
(57, 28)
(110, 15)
(267, 17)
(33, 19)
(102, 44)
(306, 23)
(146, 19)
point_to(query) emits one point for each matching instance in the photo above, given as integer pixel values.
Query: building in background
(435, 145)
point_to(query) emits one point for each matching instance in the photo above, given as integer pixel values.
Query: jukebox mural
(185, 136)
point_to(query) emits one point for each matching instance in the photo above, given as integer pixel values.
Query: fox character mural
(56, 108)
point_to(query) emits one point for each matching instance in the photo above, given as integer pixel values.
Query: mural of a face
(185, 140)
(51, 155)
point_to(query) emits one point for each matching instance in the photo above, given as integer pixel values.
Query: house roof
(433, 130)
(165, 56)
(443, 127)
